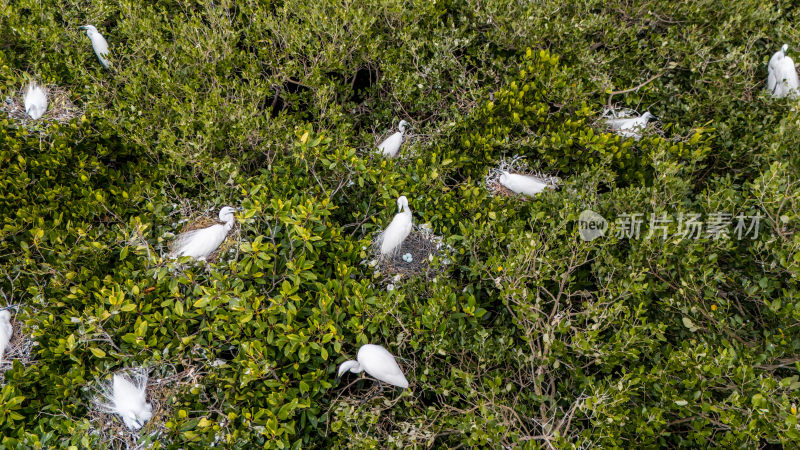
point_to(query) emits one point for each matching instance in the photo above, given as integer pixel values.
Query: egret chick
(99, 44)
(200, 244)
(35, 100)
(378, 363)
(781, 75)
(523, 184)
(391, 145)
(398, 230)
(630, 126)
(128, 399)
(6, 330)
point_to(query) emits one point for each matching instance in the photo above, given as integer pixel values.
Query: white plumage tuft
(391, 145)
(200, 244)
(398, 230)
(35, 100)
(378, 363)
(127, 398)
(6, 331)
(782, 78)
(99, 44)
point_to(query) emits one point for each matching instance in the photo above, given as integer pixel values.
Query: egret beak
(82, 27)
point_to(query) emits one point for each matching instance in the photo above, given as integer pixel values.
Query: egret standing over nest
(200, 244)
(391, 145)
(398, 230)
(523, 184)
(6, 330)
(378, 363)
(35, 101)
(99, 44)
(128, 399)
(782, 75)
(631, 126)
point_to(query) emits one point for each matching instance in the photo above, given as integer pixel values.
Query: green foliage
(530, 337)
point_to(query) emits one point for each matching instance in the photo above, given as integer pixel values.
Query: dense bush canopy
(525, 334)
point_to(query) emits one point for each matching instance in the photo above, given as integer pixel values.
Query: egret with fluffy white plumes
(99, 44)
(378, 363)
(128, 399)
(523, 184)
(391, 145)
(6, 331)
(200, 244)
(782, 78)
(398, 230)
(35, 100)
(630, 126)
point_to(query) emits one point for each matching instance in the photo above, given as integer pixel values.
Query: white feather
(128, 399)
(782, 78)
(378, 363)
(630, 127)
(398, 230)
(391, 145)
(99, 44)
(35, 101)
(6, 331)
(200, 244)
(523, 184)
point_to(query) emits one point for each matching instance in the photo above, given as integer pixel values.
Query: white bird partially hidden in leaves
(99, 44)
(630, 126)
(378, 363)
(391, 145)
(128, 399)
(781, 75)
(6, 330)
(35, 100)
(200, 244)
(398, 230)
(523, 184)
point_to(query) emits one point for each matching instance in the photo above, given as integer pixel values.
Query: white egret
(35, 101)
(630, 126)
(398, 229)
(391, 145)
(378, 363)
(781, 75)
(128, 399)
(6, 330)
(99, 44)
(523, 184)
(199, 244)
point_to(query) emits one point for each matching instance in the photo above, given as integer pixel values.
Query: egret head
(402, 202)
(402, 126)
(90, 29)
(504, 176)
(352, 366)
(784, 48)
(136, 418)
(648, 116)
(226, 214)
(5, 315)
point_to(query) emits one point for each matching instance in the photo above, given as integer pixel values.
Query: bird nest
(110, 430)
(415, 256)
(205, 222)
(20, 348)
(517, 165)
(60, 108)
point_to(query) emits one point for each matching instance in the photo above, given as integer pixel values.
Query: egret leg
(374, 393)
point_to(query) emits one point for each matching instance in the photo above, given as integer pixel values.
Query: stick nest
(161, 393)
(60, 108)
(20, 347)
(518, 165)
(423, 246)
